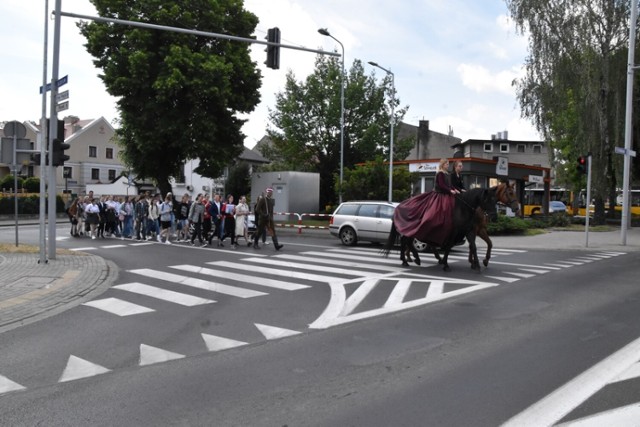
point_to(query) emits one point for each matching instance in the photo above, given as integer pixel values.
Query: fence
(299, 217)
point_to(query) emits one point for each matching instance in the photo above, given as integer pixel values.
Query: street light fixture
(325, 32)
(393, 91)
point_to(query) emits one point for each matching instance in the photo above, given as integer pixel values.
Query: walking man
(264, 215)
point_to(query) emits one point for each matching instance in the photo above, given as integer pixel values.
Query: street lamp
(393, 91)
(325, 32)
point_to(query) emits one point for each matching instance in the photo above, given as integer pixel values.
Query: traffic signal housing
(273, 52)
(581, 165)
(58, 158)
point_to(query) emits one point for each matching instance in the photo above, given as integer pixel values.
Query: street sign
(536, 178)
(61, 82)
(502, 166)
(62, 96)
(62, 106)
(14, 128)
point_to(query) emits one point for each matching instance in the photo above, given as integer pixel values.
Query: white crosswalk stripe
(277, 272)
(164, 294)
(245, 278)
(198, 283)
(118, 307)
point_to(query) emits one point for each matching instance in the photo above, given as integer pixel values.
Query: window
(93, 151)
(488, 147)
(95, 174)
(112, 174)
(368, 210)
(66, 172)
(109, 153)
(349, 209)
(504, 148)
(521, 148)
(537, 149)
(386, 212)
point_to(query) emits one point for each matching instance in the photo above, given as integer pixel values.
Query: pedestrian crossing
(362, 285)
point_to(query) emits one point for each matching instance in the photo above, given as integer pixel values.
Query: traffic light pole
(53, 130)
(588, 210)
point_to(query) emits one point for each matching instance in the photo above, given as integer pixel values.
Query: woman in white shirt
(242, 220)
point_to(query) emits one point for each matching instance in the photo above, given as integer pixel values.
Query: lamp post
(325, 32)
(393, 91)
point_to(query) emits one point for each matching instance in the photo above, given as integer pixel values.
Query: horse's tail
(392, 240)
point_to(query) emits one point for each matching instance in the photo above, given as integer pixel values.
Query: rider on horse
(429, 214)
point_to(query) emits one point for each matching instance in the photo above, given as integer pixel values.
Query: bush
(29, 205)
(7, 183)
(32, 184)
(507, 225)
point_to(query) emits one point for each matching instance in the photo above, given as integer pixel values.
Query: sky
(453, 62)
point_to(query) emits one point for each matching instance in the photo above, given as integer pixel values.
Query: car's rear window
(368, 210)
(347, 210)
(386, 211)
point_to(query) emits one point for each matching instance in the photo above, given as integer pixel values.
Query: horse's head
(506, 195)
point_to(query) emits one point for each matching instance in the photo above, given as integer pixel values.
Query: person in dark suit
(456, 177)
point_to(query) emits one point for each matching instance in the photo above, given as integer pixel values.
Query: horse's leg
(414, 251)
(473, 250)
(485, 236)
(403, 249)
(445, 258)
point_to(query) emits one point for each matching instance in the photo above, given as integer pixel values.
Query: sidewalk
(30, 291)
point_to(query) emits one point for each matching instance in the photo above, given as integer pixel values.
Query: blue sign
(61, 82)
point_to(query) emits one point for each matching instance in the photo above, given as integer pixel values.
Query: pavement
(30, 291)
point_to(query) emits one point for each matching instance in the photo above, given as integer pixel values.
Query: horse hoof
(405, 264)
(417, 261)
(486, 262)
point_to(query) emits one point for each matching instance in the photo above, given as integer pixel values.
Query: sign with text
(502, 167)
(536, 178)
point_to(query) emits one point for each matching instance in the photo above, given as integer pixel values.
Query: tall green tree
(178, 94)
(306, 123)
(571, 89)
(370, 181)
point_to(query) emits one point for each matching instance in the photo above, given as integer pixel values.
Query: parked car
(357, 221)
(557, 206)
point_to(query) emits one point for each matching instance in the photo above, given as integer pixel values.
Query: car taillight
(331, 220)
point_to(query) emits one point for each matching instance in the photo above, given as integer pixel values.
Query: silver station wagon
(357, 221)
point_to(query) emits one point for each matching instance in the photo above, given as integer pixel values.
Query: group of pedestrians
(147, 217)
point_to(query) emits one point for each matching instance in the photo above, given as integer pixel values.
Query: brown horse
(505, 195)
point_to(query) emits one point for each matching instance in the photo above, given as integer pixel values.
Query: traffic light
(581, 167)
(58, 158)
(273, 52)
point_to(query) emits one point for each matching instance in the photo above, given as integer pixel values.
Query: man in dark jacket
(264, 216)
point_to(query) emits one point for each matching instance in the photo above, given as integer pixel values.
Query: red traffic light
(582, 164)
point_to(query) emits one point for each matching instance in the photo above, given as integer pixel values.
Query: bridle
(502, 193)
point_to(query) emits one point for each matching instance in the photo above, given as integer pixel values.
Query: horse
(463, 216)
(502, 194)
(505, 195)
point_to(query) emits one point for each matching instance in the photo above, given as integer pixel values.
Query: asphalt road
(360, 341)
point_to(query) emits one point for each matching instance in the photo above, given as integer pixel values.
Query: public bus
(533, 201)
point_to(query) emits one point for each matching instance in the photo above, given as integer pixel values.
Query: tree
(239, 181)
(178, 94)
(571, 90)
(306, 123)
(370, 181)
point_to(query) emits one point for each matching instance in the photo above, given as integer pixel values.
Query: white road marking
(557, 264)
(118, 307)
(318, 260)
(277, 272)
(503, 279)
(164, 294)
(273, 332)
(534, 270)
(150, 355)
(88, 248)
(512, 264)
(340, 308)
(398, 293)
(198, 283)
(626, 416)
(565, 399)
(632, 372)
(78, 368)
(6, 385)
(522, 275)
(246, 278)
(215, 343)
(113, 246)
(313, 267)
(339, 255)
